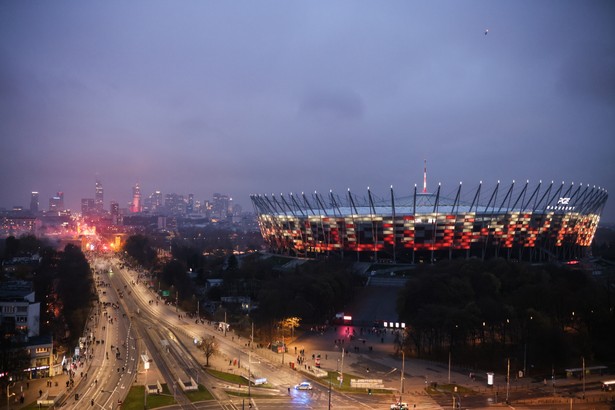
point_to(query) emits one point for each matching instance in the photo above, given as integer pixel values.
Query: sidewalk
(31, 390)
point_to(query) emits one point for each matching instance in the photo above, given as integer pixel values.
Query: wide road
(109, 355)
(180, 331)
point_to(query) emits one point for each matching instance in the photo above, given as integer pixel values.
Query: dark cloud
(589, 73)
(332, 104)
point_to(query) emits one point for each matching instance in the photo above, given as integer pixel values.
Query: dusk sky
(288, 96)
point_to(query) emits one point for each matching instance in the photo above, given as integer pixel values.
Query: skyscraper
(88, 206)
(136, 199)
(115, 212)
(190, 205)
(34, 202)
(56, 203)
(221, 206)
(99, 197)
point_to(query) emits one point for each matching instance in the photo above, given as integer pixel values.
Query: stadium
(535, 223)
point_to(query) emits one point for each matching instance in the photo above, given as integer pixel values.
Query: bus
(608, 385)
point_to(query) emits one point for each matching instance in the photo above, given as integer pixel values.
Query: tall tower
(34, 202)
(425, 178)
(99, 197)
(136, 199)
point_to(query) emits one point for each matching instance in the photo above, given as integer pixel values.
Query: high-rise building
(115, 212)
(221, 206)
(99, 197)
(175, 204)
(135, 206)
(153, 203)
(88, 206)
(34, 202)
(190, 205)
(56, 203)
(157, 200)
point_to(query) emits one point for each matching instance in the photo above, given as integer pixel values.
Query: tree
(290, 323)
(138, 247)
(209, 347)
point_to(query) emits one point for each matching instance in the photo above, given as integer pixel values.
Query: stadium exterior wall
(539, 224)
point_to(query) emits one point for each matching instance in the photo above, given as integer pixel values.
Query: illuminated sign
(561, 205)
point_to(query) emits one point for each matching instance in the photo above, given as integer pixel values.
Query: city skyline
(98, 203)
(268, 97)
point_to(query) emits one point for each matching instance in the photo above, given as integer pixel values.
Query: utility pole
(250, 363)
(507, 379)
(583, 359)
(401, 378)
(449, 367)
(329, 392)
(342, 368)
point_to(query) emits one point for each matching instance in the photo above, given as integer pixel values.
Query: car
(304, 386)
(399, 406)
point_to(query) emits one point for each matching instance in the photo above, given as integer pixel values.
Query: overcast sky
(288, 96)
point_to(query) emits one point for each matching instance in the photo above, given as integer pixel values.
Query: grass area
(345, 386)
(239, 381)
(448, 388)
(135, 398)
(201, 394)
(228, 377)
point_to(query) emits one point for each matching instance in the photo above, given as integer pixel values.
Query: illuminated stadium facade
(521, 222)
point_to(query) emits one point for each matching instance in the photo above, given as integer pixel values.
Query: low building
(19, 312)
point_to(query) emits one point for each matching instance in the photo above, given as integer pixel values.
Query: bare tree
(209, 347)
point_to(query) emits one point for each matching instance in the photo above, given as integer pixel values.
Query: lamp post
(283, 345)
(583, 359)
(507, 378)
(329, 392)
(145, 390)
(145, 359)
(342, 368)
(8, 394)
(449, 366)
(250, 364)
(403, 372)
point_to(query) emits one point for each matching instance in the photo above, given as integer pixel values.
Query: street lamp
(583, 369)
(507, 379)
(250, 364)
(145, 359)
(401, 377)
(8, 394)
